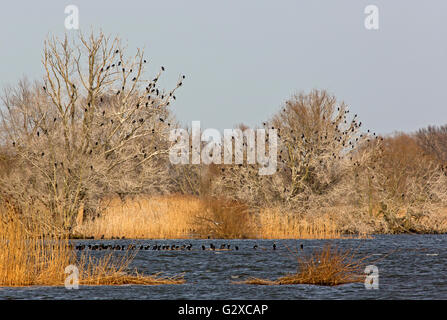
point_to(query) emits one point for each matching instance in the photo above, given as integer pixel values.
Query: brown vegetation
(96, 129)
(326, 267)
(179, 217)
(30, 257)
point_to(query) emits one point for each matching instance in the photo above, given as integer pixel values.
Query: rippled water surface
(416, 268)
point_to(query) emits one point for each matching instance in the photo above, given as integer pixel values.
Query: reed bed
(170, 217)
(277, 224)
(29, 257)
(110, 270)
(325, 267)
(180, 217)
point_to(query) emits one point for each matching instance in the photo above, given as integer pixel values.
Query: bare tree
(95, 126)
(394, 179)
(317, 139)
(433, 140)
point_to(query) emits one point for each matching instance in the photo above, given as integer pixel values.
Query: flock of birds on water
(156, 247)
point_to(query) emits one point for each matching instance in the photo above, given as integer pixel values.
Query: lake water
(415, 269)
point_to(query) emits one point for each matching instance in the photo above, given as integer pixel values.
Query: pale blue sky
(243, 59)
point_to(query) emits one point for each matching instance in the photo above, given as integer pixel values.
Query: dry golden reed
(180, 217)
(27, 258)
(326, 267)
(277, 224)
(157, 217)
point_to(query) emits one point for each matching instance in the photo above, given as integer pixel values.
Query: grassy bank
(179, 217)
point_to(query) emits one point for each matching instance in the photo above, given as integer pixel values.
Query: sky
(244, 59)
